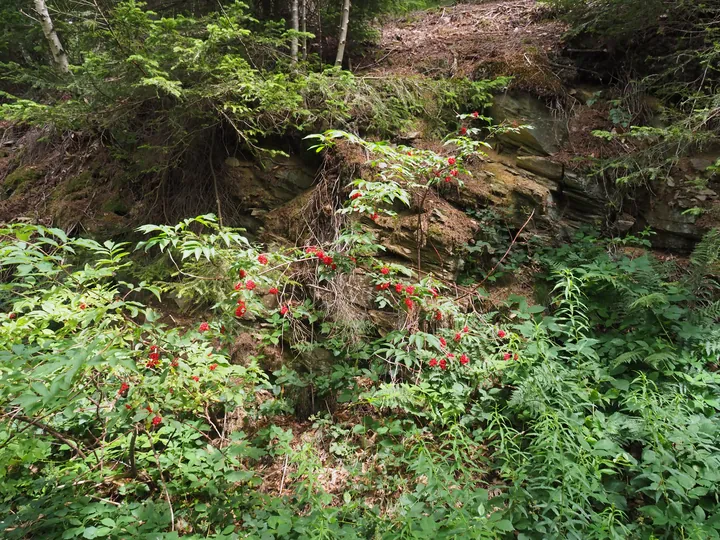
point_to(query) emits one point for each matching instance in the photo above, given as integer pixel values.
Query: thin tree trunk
(296, 28)
(319, 31)
(343, 33)
(304, 29)
(58, 53)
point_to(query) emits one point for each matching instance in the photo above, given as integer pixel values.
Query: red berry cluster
(324, 258)
(153, 358)
(241, 308)
(464, 360)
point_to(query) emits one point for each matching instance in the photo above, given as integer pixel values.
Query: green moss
(20, 180)
(79, 182)
(116, 206)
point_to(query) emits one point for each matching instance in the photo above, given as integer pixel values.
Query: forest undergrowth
(209, 382)
(586, 410)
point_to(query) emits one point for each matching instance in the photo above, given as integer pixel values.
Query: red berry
(83, 306)
(464, 359)
(399, 287)
(409, 289)
(443, 364)
(128, 406)
(262, 259)
(124, 387)
(327, 260)
(213, 367)
(175, 362)
(250, 284)
(501, 334)
(204, 327)
(242, 273)
(238, 286)
(448, 179)
(433, 362)
(283, 310)
(454, 172)
(438, 316)
(195, 378)
(241, 309)
(148, 408)
(156, 421)
(356, 195)
(443, 343)
(273, 290)
(475, 114)
(458, 336)
(451, 161)
(515, 357)
(463, 130)
(409, 303)
(152, 363)
(384, 270)
(333, 266)
(374, 216)
(507, 356)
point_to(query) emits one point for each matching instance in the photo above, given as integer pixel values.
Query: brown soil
(496, 38)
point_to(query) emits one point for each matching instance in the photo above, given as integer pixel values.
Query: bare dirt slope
(500, 37)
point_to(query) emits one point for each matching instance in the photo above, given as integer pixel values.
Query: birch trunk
(343, 33)
(304, 29)
(60, 58)
(296, 28)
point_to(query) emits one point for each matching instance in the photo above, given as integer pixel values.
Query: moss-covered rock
(19, 180)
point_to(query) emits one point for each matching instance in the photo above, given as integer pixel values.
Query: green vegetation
(668, 50)
(588, 412)
(590, 415)
(199, 380)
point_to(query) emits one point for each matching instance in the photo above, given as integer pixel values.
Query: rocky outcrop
(542, 166)
(541, 130)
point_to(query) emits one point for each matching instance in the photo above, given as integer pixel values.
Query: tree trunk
(343, 33)
(58, 53)
(304, 29)
(296, 28)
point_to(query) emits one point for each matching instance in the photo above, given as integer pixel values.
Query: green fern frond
(628, 357)
(650, 300)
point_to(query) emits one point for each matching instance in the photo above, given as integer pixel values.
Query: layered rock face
(517, 177)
